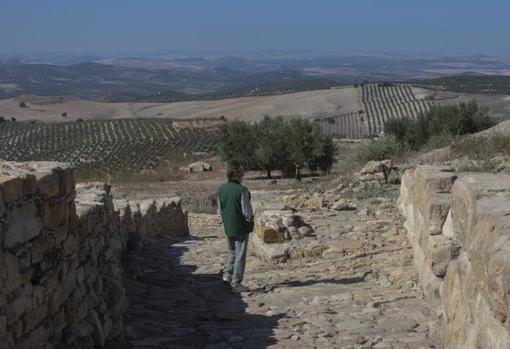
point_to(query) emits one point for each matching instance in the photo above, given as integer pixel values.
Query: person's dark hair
(233, 171)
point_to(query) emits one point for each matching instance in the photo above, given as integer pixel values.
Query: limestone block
(272, 226)
(30, 185)
(3, 326)
(54, 179)
(367, 177)
(70, 245)
(393, 177)
(37, 336)
(199, 166)
(470, 323)
(272, 253)
(440, 252)
(305, 231)
(59, 322)
(12, 188)
(115, 297)
(62, 291)
(469, 190)
(431, 180)
(23, 224)
(343, 205)
(435, 212)
(16, 329)
(59, 234)
(373, 184)
(447, 229)
(373, 167)
(18, 307)
(39, 296)
(40, 245)
(56, 214)
(269, 226)
(35, 317)
(50, 282)
(2, 205)
(380, 176)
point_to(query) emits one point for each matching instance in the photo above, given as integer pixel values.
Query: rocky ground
(352, 286)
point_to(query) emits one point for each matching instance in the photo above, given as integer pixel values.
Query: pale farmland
(301, 104)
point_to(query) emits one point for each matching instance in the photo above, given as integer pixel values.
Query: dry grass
(482, 152)
(482, 147)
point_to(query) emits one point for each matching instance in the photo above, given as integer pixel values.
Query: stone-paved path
(360, 300)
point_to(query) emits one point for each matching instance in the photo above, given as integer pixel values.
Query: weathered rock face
(60, 271)
(460, 232)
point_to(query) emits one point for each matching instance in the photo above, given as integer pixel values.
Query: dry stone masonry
(60, 255)
(459, 227)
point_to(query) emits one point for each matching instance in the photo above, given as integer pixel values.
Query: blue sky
(450, 26)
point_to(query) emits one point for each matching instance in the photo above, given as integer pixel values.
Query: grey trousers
(236, 259)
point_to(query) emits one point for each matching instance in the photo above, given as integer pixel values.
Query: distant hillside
(110, 83)
(169, 78)
(275, 88)
(484, 84)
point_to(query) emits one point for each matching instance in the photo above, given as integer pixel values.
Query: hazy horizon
(114, 27)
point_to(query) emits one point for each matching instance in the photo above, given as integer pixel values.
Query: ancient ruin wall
(60, 255)
(459, 227)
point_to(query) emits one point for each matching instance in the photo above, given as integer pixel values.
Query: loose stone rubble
(460, 231)
(60, 256)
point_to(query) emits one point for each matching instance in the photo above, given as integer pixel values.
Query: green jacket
(235, 207)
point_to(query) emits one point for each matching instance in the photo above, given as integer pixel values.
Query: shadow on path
(170, 307)
(299, 283)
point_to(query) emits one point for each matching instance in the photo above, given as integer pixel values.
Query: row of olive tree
(277, 144)
(438, 128)
(445, 122)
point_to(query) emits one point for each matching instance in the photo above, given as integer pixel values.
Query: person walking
(237, 216)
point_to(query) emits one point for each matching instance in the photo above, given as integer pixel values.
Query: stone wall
(60, 255)
(459, 227)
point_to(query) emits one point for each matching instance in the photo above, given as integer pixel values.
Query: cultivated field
(301, 104)
(380, 102)
(351, 125)
(132, 137)
(386, 101)
(107, 145)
